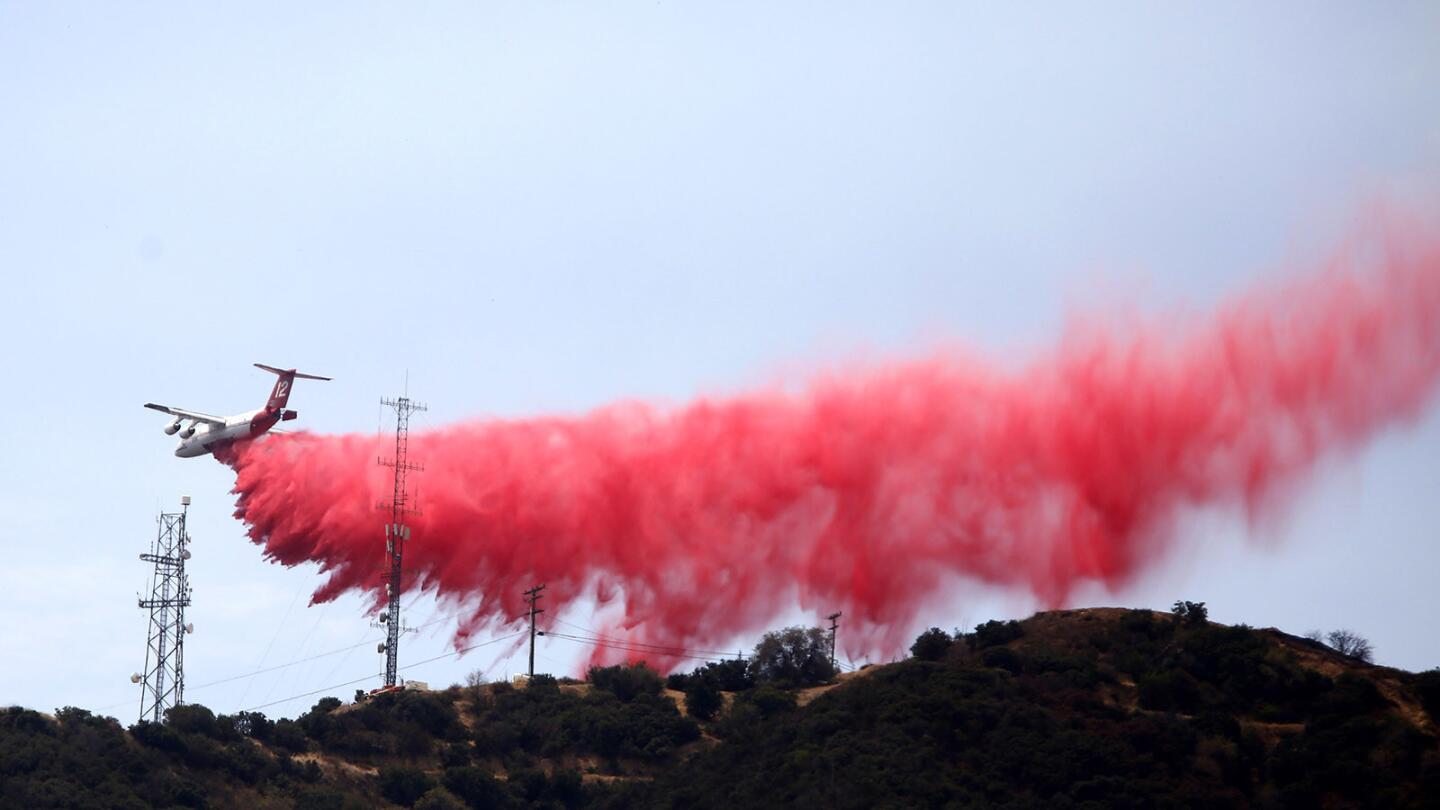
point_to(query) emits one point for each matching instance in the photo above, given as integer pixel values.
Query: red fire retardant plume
(873, 490)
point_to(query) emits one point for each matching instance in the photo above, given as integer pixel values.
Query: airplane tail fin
(280, 394)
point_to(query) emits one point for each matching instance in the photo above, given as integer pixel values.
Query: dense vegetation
(1131, 710)
(81, 761)
(623, 716)
(1097, 708)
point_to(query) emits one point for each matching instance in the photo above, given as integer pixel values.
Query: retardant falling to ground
(870, 490)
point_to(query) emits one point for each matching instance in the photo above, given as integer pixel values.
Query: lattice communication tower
(396, 532)
(164, 678)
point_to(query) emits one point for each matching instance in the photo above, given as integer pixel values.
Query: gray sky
(541, 207)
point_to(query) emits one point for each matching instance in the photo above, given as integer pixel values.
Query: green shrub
(438, 798)
(552, 723)
(287, 734)
(158, 736)
(1141, 622)
(246, 762)
(994, 633)
(476, 787)
(455, 755)
(567, 787)
(1169, 691)
(931, 645)
(1352, 696)
(434, 713)
(193, 718)
(626, 681)
(529, 784)
(1002, 658)
(324, 798)
(729, 675)
(254, 725)
(1190, 613)
(770, 701)
(702, 700)
(404, 785)
(1427, 688)
(793, 657)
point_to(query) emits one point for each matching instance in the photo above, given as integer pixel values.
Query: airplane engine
(188, 431)
(171, 428)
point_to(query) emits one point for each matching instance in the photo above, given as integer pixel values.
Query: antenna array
(396, 532)
(164, 676)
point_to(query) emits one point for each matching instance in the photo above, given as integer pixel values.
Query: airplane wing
(184, 414)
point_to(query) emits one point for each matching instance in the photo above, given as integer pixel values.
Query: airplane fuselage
(205, 433)
(209, 438)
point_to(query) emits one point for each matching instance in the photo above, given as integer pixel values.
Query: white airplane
(206, 433)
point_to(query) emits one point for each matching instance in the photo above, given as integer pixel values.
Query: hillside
(1095, 708)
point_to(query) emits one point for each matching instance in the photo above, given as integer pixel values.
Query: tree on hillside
(1190, 612)
(730, 675)
(438, 798)
(625, 681)
(404, 785)
(474, 786)
(1347, 642)
(993, 633)
(931, 645)
(702, 699)
(1427, 687)
(794, 657)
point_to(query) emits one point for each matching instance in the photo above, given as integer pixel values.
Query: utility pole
(834, 623)
(532, 596)
(396, 532)
(169, 596)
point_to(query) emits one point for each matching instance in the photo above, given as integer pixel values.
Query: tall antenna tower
(164, 676)
(396, 532)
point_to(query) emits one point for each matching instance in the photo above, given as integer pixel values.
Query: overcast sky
(541, 207)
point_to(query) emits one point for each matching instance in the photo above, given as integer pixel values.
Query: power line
(308, 658)
(598, 640)
(284, 620)
(305, 649)
(657, 647)
(278, 667)
(595, 640)
(457, 653)
(285, 665)
(627, 648)
(308, 694)
(340, 664)
(464, 650)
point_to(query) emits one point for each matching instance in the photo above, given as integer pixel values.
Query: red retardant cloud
(867, 491)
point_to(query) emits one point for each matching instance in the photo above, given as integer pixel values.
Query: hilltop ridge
(1093, 707)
